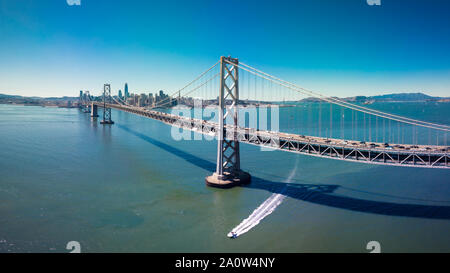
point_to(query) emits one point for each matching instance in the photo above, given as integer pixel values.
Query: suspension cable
(348, 105)
(187, 85)
(188, 92)
(336, 100)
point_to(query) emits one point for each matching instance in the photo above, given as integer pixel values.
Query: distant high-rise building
(120, 94)
(150, 99)
(143, 100)
(126, 90)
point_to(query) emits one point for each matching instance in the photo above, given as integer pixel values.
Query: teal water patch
(116, 219)
(131, 187)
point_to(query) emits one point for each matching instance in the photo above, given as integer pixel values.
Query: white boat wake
(265, 209)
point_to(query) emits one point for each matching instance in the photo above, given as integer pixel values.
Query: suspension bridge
(237, 103)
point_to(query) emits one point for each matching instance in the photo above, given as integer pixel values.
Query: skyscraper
(120, 93)
(126, 90)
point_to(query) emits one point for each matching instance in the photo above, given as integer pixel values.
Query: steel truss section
(107, 100)
(228, 157)
(410, 158)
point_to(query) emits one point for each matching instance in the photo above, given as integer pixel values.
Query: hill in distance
(397, 97)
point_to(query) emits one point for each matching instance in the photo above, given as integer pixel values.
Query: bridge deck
(425, 156)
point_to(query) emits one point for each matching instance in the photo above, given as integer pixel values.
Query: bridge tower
(106, 109)
(80, 102)
(228, 168)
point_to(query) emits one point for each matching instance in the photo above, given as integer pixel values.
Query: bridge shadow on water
(320, 194)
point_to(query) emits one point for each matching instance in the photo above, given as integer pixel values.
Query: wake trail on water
(265, 209)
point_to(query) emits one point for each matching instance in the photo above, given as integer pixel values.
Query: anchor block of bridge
(228, 170)
(94, 110)
(107, 100)
(86, 108)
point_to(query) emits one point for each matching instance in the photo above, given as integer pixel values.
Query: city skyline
(351, 49)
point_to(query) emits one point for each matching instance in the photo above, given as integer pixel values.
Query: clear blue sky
(341, 48)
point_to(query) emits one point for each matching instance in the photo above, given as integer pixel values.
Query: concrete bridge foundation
(94, 111)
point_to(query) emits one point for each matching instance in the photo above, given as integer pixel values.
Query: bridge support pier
(228, 168)
(94, 111)
(228, 180)
(106, 109)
